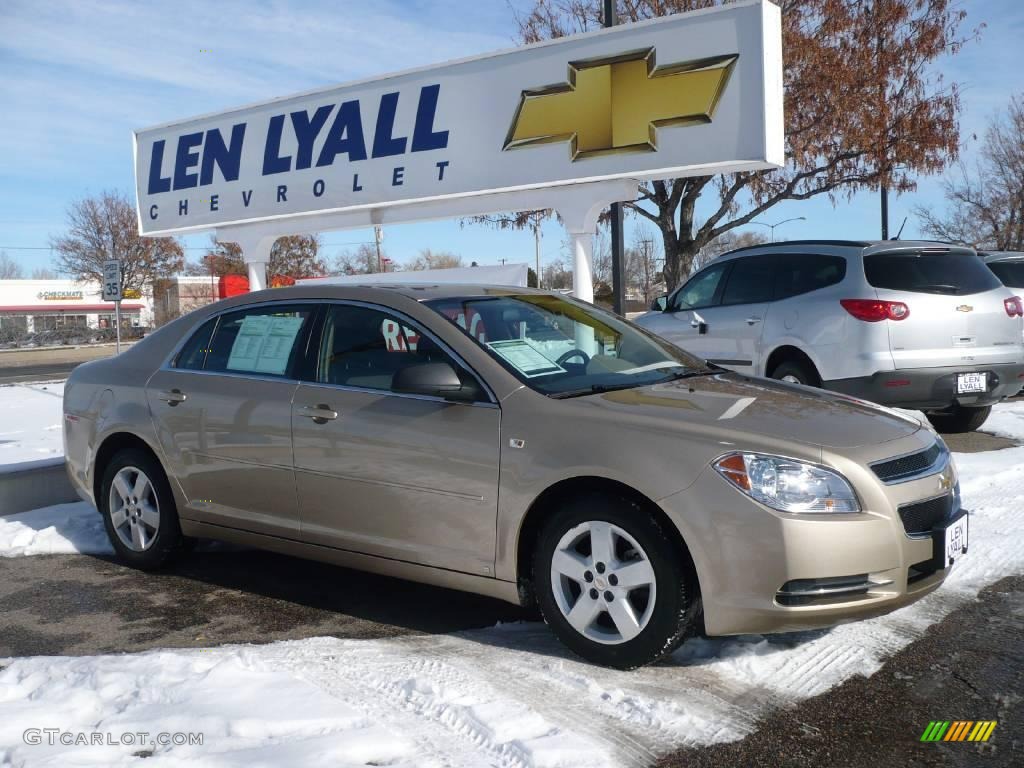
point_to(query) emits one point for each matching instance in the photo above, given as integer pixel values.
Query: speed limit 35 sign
(112, 280)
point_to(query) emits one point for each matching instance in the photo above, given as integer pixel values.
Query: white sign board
(689, 94)
(112, 280)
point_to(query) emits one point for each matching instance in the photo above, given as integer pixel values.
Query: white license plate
(955, 541)
(971, 382)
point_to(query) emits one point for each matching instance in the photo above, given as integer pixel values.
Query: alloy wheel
(134, 509)
(603, 582)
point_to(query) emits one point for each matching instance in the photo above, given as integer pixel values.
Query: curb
(40, 485)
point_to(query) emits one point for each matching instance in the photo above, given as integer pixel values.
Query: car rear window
(1010, 272)
(950, 274)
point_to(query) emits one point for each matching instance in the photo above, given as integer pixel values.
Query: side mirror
(660, 303)
(435, 379)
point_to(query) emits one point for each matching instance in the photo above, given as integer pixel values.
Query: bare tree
(105, 227)
(985, 204)
(642, 269)
(556, 276)
(9, 268)
(724, 243)
(291, 255)
(361, 261)
(863, 108)
(43, 273)
(429, 259)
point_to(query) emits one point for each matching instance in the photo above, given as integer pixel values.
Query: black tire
(167, 541)
(798, 370)
(676, 602)
(959, 419)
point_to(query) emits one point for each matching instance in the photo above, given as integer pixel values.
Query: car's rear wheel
(795, 372)
(611, 584)
(138, 510)
(959, 419)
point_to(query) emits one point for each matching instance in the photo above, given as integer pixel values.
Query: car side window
(802, 273)
(700, 291)
(262, 340)
(365, 347)
(192, 356)
(751, 281)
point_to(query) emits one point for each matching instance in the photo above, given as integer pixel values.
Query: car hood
(732, 402)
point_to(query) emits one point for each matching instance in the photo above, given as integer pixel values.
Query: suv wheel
(611, 584)
(959, 419)
(138, 510)
(795, 372)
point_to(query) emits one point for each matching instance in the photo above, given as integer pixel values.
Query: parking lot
(469, 679)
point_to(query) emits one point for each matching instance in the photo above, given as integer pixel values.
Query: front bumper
(931, 388)
(763, 571)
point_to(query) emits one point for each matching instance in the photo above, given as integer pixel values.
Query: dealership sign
(695, 93)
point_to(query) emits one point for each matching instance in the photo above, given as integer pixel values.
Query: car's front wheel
(138, 510)
(611, 584)
(959, 419)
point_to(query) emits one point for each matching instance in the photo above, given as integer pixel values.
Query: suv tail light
(874, 310)
(1014, 306)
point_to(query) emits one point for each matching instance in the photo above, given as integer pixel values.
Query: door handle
(320, 414)
(172, 396)
(753, 320)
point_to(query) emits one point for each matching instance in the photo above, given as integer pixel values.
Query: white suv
(912, 324)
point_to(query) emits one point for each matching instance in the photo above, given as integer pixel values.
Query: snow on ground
(505, 696)
(62, 529)
(30, 425)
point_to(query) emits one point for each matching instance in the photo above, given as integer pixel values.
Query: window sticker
(264, 343)
(522, 356)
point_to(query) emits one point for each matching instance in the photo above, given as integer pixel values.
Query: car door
(222, 412)
(407, 477)
(682, 322)
(737, 323)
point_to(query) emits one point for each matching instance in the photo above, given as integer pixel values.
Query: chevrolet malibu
(517, 444)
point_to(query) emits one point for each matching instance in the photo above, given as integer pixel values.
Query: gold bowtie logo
(616, 104)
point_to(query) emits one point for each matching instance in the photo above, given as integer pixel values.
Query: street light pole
(778, 224)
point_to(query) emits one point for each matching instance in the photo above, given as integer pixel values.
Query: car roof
(425, 291)
(863, 247)
(991, 256)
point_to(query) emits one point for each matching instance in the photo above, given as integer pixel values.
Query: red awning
(79, 308)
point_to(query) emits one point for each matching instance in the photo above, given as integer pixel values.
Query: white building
(33, 306)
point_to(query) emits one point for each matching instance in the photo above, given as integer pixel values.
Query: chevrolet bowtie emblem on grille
(965, 308)
(616, 104)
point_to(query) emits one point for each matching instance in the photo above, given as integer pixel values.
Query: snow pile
(30, 425)
(58, 530)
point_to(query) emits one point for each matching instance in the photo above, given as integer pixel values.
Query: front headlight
(788, 485)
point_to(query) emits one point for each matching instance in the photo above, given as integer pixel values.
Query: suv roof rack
(849, 243)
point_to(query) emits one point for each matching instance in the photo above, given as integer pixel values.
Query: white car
(913, 324)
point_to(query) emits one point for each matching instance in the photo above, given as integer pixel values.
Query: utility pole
(378, 236)
(536, 246)
(615, 213)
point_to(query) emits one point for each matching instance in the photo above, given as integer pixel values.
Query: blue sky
(78, 77)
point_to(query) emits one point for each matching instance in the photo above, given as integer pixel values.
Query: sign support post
(615, 212)
(112, 291)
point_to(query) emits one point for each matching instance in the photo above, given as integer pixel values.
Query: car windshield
(565, 348)
(1010, 272)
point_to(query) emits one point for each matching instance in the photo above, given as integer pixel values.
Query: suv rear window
(950, 274)
(1010, 272)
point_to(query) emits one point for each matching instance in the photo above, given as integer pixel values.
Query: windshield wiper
(596, 389)
(690, 374)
